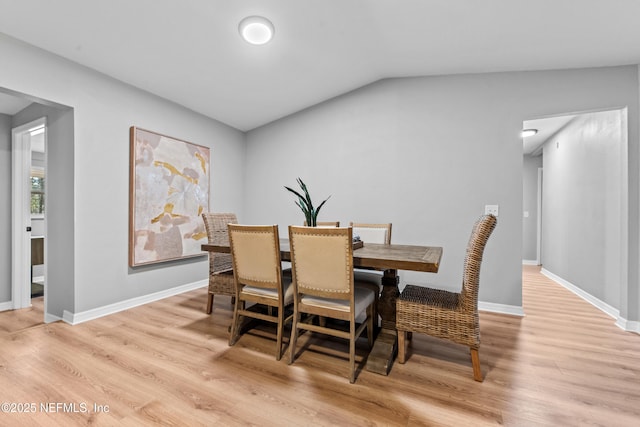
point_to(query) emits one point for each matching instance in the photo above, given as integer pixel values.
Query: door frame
(21, 213)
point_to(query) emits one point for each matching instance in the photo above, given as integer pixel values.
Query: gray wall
(427, 154)
(5, 208)
(530, 204)
(97, 155)
(582, 204)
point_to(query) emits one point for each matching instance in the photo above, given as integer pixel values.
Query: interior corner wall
(530, 167)
(98, 148)
(427, 154)
(581, 204)
(5, 208)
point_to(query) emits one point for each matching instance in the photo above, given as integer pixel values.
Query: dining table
(388, 258)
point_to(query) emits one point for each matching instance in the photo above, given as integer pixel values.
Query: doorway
(580, 203)
(28, 212)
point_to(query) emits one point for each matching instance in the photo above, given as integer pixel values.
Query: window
(37, 192)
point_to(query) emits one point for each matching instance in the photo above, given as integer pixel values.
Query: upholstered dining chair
(318, 224)
(322, 260)
(449, 315)
(255, 251)
(371, 233)
(220, 265)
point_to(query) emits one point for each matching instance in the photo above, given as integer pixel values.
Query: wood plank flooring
(168, 363)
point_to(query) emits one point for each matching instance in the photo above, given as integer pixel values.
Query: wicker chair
(449, 315)
(220, 266)
(322, 260)
(255, 251)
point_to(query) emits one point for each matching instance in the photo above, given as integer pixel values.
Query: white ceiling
(189, 51)
(10, 104)
(546, 128)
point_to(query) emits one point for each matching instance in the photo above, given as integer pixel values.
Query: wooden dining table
(389, 259)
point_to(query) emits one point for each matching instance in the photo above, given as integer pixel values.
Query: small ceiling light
(528, 132)
(256, 30)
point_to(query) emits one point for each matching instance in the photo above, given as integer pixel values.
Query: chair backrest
(322, 261)
(372, 233)
(217, 234)
(325, 223)
(475, 248)
(255, 251)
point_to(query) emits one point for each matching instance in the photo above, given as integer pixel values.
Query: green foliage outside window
(37, 195)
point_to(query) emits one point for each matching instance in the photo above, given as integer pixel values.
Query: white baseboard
(622, 323)
(50, 318)
(529, 262)
(603, 306)
(628, 325)
(512, 310)
(4, 306)
(75, 318)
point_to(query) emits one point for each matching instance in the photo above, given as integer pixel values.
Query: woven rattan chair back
(482, 229)
(220, 266)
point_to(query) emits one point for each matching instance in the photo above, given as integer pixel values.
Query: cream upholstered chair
(449, 315)
(322, 260)
(220, 266)
(255, 251)
(371, 233)
(324, 224)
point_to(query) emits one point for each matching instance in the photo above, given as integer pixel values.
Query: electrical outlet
(491, 209)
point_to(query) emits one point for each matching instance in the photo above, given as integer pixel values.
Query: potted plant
(306, 205)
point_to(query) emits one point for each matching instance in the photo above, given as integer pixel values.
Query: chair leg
(233, 335)
(294, 337)
(352, 351)
(371, 312)
(402, 346)
(475, 362)
(279, 334)
(209, 303)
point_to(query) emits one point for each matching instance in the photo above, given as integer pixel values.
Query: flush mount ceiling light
(256, 30)
(528, 132)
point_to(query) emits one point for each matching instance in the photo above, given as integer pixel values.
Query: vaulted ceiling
(190, 52)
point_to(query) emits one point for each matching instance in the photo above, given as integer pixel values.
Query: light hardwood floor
(168, 363)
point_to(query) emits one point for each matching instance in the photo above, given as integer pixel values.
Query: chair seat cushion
(430, 296)
(368, 276)
(363, 298)
(272, 293)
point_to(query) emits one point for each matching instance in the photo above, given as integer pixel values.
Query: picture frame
(168, 191)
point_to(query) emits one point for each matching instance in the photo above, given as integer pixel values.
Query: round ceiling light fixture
(528, 132)
(256, 30)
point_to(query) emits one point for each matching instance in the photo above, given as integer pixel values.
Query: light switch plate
(491, 209)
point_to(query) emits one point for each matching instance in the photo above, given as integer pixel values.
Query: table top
(373, 255)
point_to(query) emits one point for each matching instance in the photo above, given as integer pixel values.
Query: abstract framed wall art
(168, 191)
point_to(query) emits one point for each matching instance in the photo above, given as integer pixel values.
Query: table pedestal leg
(384, 348)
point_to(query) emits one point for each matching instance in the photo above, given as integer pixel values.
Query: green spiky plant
(306, 205)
